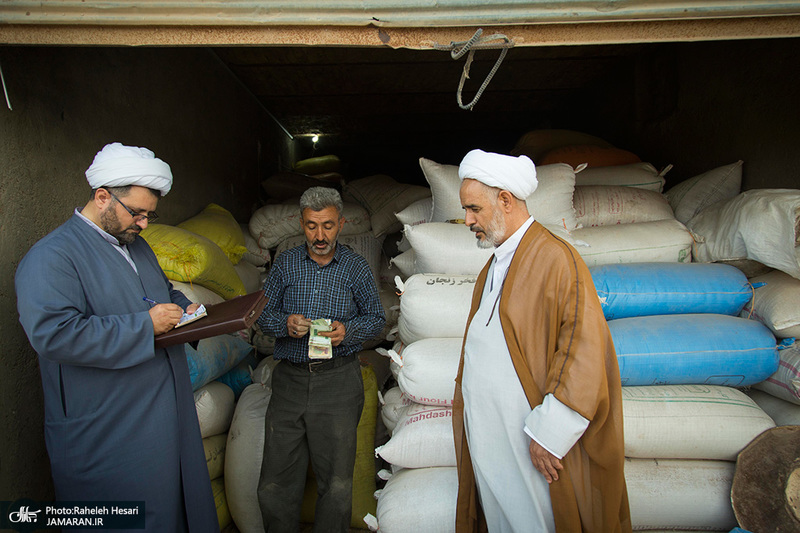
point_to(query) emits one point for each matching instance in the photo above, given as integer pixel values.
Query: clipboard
(226, 317)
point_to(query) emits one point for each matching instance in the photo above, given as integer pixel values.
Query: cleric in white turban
(514, 174)
(120, 420)
(537, 406)
(117, 165)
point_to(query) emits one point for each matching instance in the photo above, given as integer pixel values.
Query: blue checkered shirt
(342, 290)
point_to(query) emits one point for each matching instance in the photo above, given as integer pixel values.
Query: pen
(152, 302)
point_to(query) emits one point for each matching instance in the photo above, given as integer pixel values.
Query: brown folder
(226, 317)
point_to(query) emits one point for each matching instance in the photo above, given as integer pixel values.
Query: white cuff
(554, 426)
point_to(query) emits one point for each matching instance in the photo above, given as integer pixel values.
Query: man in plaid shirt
(316, 404)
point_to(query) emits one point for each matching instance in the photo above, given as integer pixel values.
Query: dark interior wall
(703, 105)
(67, 103)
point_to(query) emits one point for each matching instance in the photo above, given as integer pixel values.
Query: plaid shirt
(342, 290)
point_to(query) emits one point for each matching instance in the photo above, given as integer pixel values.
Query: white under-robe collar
(504, 253)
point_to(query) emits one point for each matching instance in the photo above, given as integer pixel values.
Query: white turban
(514, 174)
(117, 165)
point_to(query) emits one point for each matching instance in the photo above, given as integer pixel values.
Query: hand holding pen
(164, 316)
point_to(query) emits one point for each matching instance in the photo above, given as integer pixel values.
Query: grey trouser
(311, 415)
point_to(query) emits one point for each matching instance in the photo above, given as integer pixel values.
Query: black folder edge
(198, 330)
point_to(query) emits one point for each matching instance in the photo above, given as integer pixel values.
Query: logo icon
(24, 515)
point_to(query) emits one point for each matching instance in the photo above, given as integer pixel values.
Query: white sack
(214, 448)
(691, 196)
(785, 383)
(404, 263)
(255, 255)
(422, 437)
(641, 175)
(680, 493)
(550, 203)
(689, 422)
(429, 370)
(393, 405)
(419, 500)
(243, 456)
(760, 224)
(271, 224)
(782, 412)
(434, 306)
(776, 303)
(417, 213)
(444, 248)
(605, 205)
(250, 275)
(197, 293)
(214, 402)
(664, 241)
(382, 197)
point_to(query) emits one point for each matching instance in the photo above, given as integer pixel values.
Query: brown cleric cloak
(559, 343)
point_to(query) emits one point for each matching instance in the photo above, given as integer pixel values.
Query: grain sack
(197, 293)
(214, 403)
(775, 303)
(444, 248)
(243, 455)
(689, 422)
(263, 343)
(665, 241)
(364, 244)
(238, 378)
(250, 275)
(417, 213)
(760, 224)
(642, 289)
(255, 254)
(218, 225)
(689, 197)
(429, 370)
(214, 448)
(536, 143)
(419, 500)
(363, 502)
(318, 165)
(641, 175)
(680, 493)
(221, 502)
(188, 257)
(214, 356)
(782, 412)
(393, 404)
(422, 437)
(271, 224)
(693, 349)
(606, 205)
(404, 262)
(550, 203)
(434, 306)
(388, 271)
(785, 383)
(382, 197)
(588, 154)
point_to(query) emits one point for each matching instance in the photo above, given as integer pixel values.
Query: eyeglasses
(151, 217)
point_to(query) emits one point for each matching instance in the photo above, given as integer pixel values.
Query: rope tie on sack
(476, 42)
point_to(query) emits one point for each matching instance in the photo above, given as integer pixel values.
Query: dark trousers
(311, 415)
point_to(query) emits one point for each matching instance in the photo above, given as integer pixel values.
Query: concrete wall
(67, 103)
